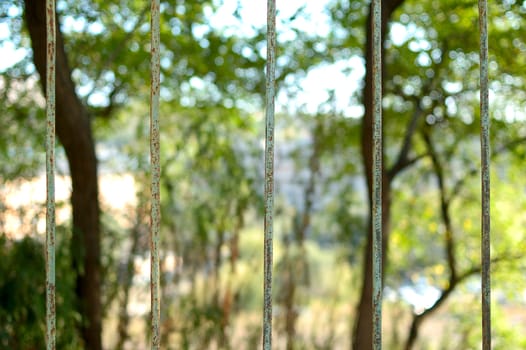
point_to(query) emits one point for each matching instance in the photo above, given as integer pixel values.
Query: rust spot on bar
(50, 176)
(269, 174)
(155, 215)
(377, 176)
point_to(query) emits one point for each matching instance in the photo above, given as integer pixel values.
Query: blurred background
(212, 132)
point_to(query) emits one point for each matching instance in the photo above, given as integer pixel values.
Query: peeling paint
(155, 216)
(485, 176)
(50, 175)
(377, 175)
(269, 173)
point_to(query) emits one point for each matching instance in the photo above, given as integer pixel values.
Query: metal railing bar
(50, 175)
(269, 173)
(377, 175)
(485, 177)
(155, 215)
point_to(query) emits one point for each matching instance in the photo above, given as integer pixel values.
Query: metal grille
(269, 174)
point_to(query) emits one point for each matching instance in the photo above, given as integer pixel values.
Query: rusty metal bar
(269, 173)
(50, 174)
(377, 174)
(155, 215)
(485, 176)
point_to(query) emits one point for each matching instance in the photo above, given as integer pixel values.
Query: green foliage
(211, 125)
(22, 297)
(22, 303)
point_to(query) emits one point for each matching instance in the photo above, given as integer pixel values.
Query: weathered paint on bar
(156, 174)
(377, 175)
(485, 177)
(50, 175)
(269, 173)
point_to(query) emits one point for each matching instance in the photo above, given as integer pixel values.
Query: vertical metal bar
(485, 176)
(155, 215)
(377, 174)
(50, 175)
(269, 173)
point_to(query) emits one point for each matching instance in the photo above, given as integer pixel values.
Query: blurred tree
(74, 132)
(102, 65)
(430, 77)
(212, 88)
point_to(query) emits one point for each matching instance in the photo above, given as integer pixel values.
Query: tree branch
(446, 292)
(507, 146)
(457, 187)
(402, 160)
(444, 206)
(454, 277)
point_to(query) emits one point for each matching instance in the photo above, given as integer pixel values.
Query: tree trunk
(363, 328)
(74, 132)
(413, 333)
